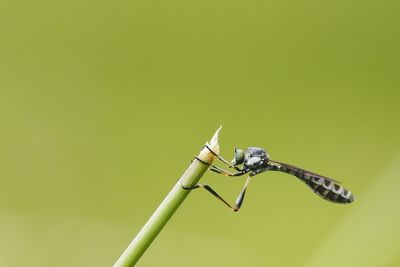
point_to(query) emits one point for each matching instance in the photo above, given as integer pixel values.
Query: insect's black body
(256, 160)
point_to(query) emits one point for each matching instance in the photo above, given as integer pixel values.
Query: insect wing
(301, 172)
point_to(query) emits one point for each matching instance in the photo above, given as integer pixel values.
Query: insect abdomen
(329, 190)
(325, 188)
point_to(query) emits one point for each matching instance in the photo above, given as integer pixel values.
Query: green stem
(169, 205)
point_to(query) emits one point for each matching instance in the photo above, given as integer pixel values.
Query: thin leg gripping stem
(168, 206)
(239, 199)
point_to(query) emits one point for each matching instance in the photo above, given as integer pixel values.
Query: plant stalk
(168, 206)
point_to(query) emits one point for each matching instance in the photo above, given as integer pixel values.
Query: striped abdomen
(326, 188)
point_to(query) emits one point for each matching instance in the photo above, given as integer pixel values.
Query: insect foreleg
(224, 172)
(220, 170)
(223, 160)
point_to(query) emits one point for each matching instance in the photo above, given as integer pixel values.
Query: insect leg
(224, 172)
(219, 170)
(239, 200)
(223, 160)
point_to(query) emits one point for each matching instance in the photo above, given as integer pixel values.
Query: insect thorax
(255, 160)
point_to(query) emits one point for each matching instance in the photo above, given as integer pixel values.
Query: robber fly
(255, 160)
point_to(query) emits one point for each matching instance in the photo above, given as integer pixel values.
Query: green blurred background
(104, 103)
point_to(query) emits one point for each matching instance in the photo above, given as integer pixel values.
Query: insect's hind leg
(239, 199)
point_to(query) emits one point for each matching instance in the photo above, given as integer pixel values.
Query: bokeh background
(104, 103)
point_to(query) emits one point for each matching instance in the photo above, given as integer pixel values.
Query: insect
(255, 160)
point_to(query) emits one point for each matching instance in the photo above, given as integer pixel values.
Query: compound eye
(239, 157)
